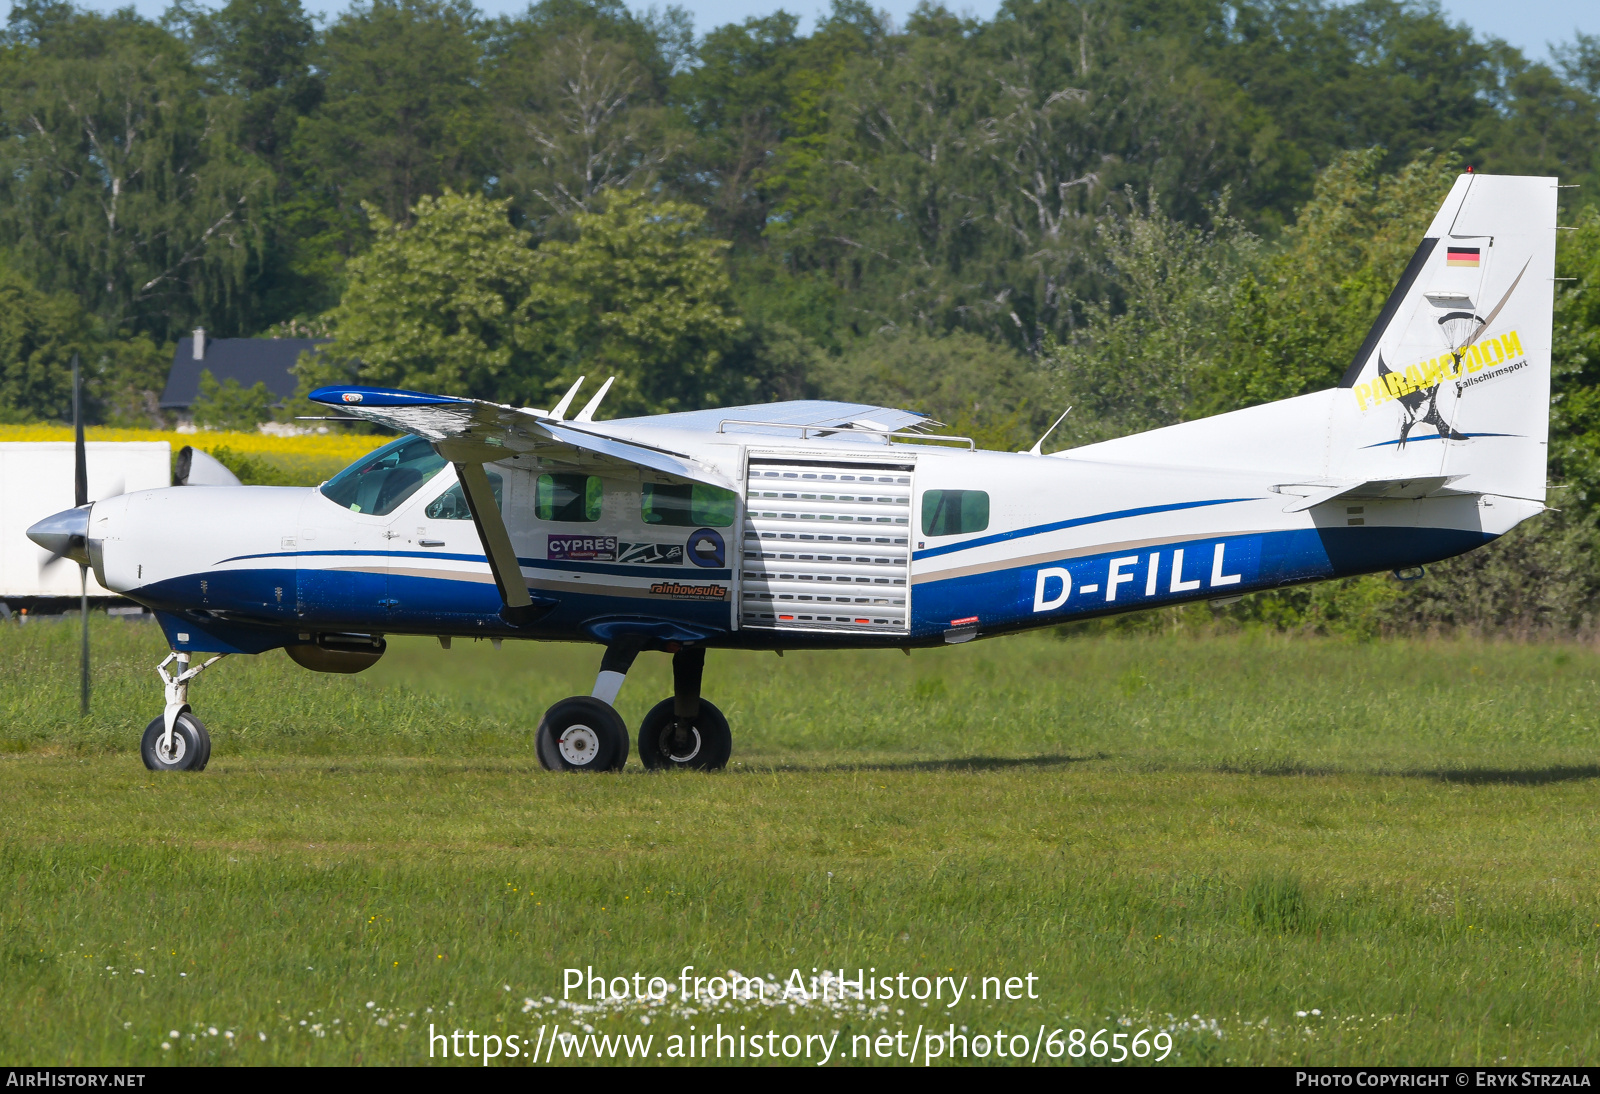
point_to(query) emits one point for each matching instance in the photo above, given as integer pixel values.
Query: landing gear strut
(585, 733)
(177, 741)
(686, 730)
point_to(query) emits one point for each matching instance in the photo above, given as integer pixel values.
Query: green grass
(1202, 836)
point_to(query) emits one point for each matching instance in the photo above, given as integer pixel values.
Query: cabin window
(954, 512)
(452, 504)
(568, 499)
(692, 505)
(377, 484)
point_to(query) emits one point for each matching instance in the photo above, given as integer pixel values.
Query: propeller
(80, 499)
(66, 534)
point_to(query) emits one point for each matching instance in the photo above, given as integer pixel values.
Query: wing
(474, 431)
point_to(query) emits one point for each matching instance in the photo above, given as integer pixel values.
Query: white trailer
(36, 481)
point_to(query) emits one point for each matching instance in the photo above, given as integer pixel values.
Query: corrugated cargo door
(826, 546)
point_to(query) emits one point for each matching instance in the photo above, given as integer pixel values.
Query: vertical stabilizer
(1454, 378)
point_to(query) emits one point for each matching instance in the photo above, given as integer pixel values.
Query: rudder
(1454, 378)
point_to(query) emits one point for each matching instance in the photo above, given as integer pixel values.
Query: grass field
(1202, 837)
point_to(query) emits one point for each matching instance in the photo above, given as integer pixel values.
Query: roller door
(826, 547)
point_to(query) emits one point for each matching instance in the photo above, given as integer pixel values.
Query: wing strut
(519, 609)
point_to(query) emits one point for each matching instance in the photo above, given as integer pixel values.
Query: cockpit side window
(378, 484)
(954, 512)
(452, 504)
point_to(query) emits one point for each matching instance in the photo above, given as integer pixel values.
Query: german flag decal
(1461, 256)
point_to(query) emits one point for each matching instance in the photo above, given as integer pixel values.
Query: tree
(1299, 319)
(39, 333)
(402, 113)
(462, 302)
(119, 180)
(1143, 358)
(579, 89)
(439, 305)
(643, 292)
(229, 405)
(260, 51)
(978, 388)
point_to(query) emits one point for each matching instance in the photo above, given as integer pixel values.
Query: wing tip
(348, 395)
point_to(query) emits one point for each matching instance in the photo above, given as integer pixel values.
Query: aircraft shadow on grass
(1496, 776)
(1471, 776)
(965, 763)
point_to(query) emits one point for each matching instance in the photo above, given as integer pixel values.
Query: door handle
(389, 603)
(430, 542)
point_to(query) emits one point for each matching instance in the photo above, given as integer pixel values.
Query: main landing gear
(585, 733)
(177, 741)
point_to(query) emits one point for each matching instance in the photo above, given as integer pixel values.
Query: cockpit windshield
(378, 483)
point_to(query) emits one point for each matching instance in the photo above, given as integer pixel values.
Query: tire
(190, 742)
(713, 741)
(582, 734)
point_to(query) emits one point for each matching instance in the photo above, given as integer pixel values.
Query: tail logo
(1472, 359)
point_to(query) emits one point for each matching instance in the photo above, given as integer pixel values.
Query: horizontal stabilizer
(1308, 495)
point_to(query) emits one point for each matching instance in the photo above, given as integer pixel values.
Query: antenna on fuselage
(1038, 445)
(558, 412)
(587, 413)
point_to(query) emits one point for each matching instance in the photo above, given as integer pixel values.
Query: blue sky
(1530, 24)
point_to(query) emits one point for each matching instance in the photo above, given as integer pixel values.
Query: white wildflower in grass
(261, 1035)
(229, 1035)
(370, 1004)
(139, 972)
(173, 1035)
(166, 1046)
(212, 1030)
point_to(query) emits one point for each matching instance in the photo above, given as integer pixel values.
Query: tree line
(1149, 209)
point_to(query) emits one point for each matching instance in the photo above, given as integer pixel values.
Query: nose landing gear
(177, 741)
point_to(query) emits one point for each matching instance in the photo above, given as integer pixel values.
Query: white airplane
(823, 525)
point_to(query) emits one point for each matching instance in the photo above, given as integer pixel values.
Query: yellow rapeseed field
(305, 460)
(322, 446)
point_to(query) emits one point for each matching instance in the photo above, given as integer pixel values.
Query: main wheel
(191, 745)
(582, 734)
(709, 745)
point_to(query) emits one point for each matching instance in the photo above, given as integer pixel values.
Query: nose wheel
(187, 748)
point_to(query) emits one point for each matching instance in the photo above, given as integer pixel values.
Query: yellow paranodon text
(1486, 353)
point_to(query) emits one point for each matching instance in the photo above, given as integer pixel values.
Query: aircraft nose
(65, 535)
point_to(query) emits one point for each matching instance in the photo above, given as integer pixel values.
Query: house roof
(248, 360)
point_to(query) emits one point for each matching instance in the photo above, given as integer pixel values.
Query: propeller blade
(80, 470)
(83, 659)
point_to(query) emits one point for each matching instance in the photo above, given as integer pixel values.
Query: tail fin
(1450, 392)
(1453, 380)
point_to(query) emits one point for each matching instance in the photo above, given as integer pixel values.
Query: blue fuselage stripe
(615, 568)
(1075, 522)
